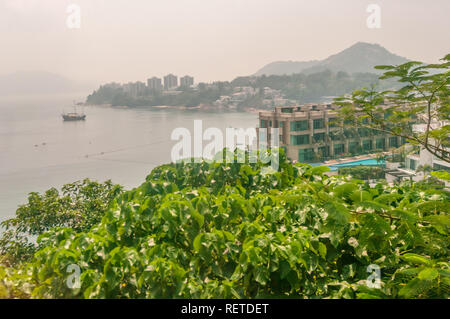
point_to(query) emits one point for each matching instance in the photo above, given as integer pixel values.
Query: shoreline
(202, 107)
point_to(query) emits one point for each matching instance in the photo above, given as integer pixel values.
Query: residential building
(312, 133)
(186, 81)
(154, 84)
(135, 89)
(422, 157)
(170, 82)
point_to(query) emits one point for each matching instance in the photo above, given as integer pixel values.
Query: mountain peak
(366, 44)
(360, 57)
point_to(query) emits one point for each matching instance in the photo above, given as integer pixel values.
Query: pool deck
(352, 159)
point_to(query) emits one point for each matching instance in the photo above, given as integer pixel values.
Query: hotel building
(312, 133)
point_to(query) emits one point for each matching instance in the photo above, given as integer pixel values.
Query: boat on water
(74, 116)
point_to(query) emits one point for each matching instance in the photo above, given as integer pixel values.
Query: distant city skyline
(211, 40)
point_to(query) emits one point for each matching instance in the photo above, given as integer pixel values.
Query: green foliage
(79, 206)
(216, 230)
(444, 175)
(363, 172)
(423, 99)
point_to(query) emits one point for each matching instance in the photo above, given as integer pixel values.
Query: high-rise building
(312, 133)
(135, 89)
(154, 84)
(186, 81)
(170, 82)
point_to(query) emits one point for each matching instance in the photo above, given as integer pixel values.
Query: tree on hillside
(423, 99)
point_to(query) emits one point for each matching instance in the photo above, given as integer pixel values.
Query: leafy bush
(211, 230)
(363, 172)
(79, 206)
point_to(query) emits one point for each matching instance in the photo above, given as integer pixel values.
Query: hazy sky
(129, 40)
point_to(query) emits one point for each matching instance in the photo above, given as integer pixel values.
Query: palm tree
(425, 169)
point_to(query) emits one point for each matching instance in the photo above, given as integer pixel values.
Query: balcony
(303, 115)
(316, 114)
(266, 113)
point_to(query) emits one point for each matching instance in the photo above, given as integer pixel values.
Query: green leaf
(428, 274)
(414, 288)
(441, 175)
(416, 259)
(322, 250)
(360, 196)
(198, 242)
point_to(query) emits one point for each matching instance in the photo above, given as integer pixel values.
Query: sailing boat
(74, 116)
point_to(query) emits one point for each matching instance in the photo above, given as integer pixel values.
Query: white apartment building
(421, 158)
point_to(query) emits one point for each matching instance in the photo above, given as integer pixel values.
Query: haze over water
(38, 150)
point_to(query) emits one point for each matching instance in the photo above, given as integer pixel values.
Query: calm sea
(38, 150)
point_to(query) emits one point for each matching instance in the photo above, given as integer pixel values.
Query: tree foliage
(79, 206)
(423, 99)
(363, 172)
(227, 230)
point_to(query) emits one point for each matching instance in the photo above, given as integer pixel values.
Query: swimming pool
(366, 162)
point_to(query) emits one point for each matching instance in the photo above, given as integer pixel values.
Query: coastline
(201, 107)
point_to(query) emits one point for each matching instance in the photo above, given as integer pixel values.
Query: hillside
(286, 67)
(360, 57)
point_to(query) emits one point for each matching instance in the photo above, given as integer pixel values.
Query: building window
(393, 141)
(380, 143)
(335, 136)
(350, 133)
(299, 126)
(305, 155)
(364, 132)
(367, 145)
(354, 147)
(319, 137)
(411, 164)
(376, 132)
(263, 123)
(299, 139)
(270, 123)
(333, 122)
(287, 110)
(339, 149)
(438, 167)
(324, 151)
(318, 124)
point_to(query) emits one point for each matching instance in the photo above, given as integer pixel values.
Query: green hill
(360, 57)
